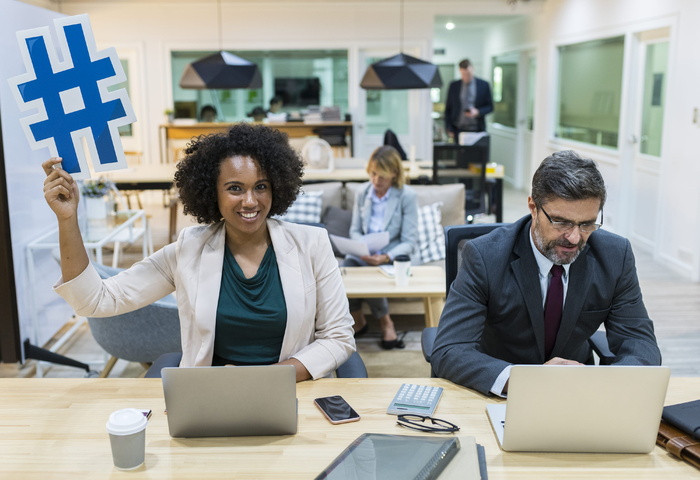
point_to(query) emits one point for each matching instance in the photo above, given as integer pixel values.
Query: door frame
(634, 164)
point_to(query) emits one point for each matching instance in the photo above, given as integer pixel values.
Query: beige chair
(318, 155)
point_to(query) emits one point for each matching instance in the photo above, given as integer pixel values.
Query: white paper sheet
(369, 243)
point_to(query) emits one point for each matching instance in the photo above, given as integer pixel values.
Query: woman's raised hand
(60, 190)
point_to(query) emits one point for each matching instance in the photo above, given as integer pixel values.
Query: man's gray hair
(569, 176)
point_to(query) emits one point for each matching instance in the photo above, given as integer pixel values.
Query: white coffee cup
(402, 270)
(127, 435)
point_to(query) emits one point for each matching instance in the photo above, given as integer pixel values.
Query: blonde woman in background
(384, 204)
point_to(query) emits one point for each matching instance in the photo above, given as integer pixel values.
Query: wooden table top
(55, 429)
(368, 282)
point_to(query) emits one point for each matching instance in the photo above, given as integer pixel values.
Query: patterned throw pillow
(431, 235)
(305, 209)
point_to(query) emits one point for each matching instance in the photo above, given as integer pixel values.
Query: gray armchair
(139, 336)
(353, 367)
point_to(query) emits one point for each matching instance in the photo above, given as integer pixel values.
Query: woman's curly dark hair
(198, 172)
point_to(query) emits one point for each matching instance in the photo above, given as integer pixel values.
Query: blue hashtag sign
(71, 98)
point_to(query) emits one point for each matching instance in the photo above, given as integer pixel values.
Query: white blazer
(319, 326)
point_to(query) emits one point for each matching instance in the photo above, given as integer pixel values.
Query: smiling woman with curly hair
(197, 173)
(251, 290)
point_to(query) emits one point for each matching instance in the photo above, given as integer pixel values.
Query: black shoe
(391, 344)
(362, 331)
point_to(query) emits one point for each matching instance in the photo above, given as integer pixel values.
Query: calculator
(415, 399)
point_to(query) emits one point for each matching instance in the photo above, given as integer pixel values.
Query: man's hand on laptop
(561, 361)
(551, 361)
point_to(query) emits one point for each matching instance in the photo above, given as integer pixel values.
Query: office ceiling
(442, 2)
(472, 21)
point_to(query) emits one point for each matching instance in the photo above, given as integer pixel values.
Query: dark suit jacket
(494, 317)
(453, 105)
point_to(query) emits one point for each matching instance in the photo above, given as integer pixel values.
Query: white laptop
(572, 408)
(230, 401)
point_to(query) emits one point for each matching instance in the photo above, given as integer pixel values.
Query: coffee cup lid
(126, 421)
(402, 258)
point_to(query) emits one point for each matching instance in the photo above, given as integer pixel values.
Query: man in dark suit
(501, 309)
(468, 102)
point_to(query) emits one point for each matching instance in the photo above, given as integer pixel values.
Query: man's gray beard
(547, 249)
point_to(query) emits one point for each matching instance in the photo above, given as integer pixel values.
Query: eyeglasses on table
(418, 422)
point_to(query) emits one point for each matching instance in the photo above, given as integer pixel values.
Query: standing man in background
(468, 102)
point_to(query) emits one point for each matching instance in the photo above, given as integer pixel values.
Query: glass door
(653, 98)
(647, 139)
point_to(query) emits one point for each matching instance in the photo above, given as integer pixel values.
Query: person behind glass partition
(207, 114)
(257, 114)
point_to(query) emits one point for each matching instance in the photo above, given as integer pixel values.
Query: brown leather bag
(679, 444)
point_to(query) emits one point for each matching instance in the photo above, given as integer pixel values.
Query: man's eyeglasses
(417, 422)
(568, 226)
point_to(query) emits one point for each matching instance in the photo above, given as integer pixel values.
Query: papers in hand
(470, 138)
(371, 242)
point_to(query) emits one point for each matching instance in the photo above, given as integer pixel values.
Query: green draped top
(251, 316)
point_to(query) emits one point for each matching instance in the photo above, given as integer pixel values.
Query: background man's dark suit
(453, 105)
(493, 316)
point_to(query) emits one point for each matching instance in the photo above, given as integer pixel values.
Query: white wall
(460, 43)
(152, 28)
(30, 217)
(570, 21)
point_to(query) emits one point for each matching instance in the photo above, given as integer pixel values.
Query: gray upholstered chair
(139, 336)
(353, 367)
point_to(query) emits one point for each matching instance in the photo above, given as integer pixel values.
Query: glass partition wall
(590, 89)
(302, 78)
(505, 89)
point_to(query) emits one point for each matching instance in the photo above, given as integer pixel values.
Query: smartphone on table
(336, 409)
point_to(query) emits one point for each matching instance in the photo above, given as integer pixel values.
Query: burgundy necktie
(552, 309)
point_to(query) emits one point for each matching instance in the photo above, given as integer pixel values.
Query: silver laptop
(230, 401)
(570, 408)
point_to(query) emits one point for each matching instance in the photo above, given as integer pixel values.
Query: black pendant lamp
(222, 70)
(401, 72)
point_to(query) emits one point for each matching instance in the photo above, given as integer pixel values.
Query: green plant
(96, 188)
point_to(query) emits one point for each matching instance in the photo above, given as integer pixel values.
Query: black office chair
(354, 367)
(455, 236)
(335, 136)
(391, 139)
(460, 157)
(477, 187)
